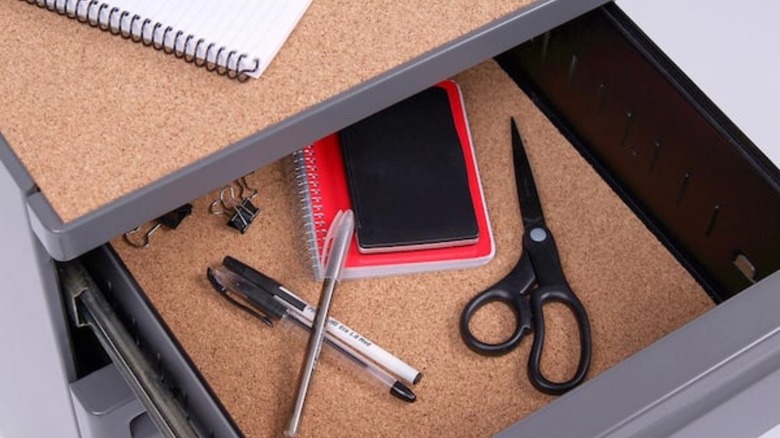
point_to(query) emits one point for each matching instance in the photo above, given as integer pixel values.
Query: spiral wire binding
(116, 18)
(313, 226)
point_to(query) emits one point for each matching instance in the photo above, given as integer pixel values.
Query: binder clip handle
(170, 220)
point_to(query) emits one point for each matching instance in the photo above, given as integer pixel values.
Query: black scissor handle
(507, 292)
(539, 298)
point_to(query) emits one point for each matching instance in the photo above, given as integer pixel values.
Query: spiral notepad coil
(134, 27)
(313, 226)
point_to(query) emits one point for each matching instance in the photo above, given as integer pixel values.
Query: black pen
(265, 306)
(258, 278)
(341, 331)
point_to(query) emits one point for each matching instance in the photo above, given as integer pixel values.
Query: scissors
(536, 280)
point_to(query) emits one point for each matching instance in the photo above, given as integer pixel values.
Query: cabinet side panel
(35, 364)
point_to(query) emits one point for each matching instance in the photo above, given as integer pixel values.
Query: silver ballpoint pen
(339, 238)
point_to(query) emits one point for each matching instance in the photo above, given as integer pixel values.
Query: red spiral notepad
(322, 184)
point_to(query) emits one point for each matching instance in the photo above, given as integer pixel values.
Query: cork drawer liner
(634, 290)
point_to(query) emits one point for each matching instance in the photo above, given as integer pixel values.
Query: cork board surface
(634, 290)
(94, 117)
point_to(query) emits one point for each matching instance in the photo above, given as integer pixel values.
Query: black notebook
(407, 177)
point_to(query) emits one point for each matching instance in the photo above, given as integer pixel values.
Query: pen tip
(403, 392)
(213, 280)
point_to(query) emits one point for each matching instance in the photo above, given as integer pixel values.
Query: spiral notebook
(321, 183)
(235, 38)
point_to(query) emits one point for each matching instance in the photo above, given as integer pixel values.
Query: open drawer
(661, 209)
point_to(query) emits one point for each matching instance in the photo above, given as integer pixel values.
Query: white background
(730, 49)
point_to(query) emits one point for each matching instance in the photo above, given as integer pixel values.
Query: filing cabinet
(672, 158)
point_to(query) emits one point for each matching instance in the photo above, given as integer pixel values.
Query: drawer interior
(634, 289)
(685, 169)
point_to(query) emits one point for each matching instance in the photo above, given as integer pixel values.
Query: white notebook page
(224, 32)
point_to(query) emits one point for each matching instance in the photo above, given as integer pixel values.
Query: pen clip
(224, 292)
(326, 244)
(337, 241)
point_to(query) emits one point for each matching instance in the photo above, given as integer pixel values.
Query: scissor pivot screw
(538, 235)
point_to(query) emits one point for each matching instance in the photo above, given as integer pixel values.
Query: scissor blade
(530, 206)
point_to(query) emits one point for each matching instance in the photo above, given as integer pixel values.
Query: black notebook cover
(407, 177)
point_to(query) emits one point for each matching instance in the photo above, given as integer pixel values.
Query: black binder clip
(240, 208)
(173, 219)
(170, 220)
(244, 215)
